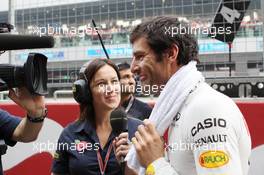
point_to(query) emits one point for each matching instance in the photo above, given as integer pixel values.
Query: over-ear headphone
(81, 92)
(80, 88)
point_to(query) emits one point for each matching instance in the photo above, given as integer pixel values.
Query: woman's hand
(121, 146)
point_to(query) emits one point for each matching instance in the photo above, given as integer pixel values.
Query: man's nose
(131, 80)
(134, 66)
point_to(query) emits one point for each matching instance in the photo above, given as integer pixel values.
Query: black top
(77, 147)
(139, 109)
(8, 124)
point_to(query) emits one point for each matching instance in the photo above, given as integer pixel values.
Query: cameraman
(13, 129)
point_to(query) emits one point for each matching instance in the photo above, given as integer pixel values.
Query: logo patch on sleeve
(56, 156)
(213, 159)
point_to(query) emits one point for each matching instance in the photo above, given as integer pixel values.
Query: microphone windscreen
(16, 42)
(118, 120)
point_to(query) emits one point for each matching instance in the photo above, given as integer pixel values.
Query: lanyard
(102, 165)
(129, 104)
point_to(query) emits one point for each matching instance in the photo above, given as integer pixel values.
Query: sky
(4, 5)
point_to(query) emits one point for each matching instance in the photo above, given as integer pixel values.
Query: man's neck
(125, 98)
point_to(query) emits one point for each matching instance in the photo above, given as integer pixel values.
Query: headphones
(80, 88)
(81, 92)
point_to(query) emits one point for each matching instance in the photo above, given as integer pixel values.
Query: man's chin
(145, 83)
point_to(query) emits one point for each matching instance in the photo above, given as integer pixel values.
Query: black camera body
(33, 75)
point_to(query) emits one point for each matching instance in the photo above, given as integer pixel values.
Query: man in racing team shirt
(207, 133)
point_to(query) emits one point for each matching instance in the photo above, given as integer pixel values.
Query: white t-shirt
(208, 136)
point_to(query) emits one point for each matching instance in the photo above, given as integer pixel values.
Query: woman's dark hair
(163, 31)
(87, 110)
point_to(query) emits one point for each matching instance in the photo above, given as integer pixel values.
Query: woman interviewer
(85, 146)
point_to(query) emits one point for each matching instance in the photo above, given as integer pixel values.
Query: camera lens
(36, 76)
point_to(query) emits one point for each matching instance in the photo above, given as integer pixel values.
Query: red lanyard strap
(102, 165)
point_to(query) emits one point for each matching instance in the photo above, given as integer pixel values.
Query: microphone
(16, 42)
(118, 120)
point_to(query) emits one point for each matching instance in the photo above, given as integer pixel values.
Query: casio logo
(208, 123)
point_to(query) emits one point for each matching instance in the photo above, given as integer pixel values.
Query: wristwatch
(150, 170)
(38, 119)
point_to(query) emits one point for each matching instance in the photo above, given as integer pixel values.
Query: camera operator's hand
(27, 130)
(33, 104)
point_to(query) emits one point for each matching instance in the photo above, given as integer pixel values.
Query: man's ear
(173, 53)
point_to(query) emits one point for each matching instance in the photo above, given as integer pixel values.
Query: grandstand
(77, 41)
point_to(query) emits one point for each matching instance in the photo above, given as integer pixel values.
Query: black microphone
(16, 42)
(118, 120)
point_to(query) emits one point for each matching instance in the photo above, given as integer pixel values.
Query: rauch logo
(213, 159)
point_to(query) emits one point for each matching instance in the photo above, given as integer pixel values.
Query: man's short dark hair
(123, 66)
(160, 39)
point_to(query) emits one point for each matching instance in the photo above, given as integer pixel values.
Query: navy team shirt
(138, 109)
(77, 150)
(8, 124)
